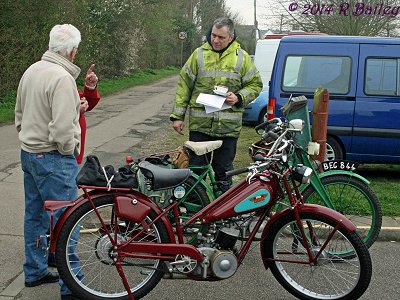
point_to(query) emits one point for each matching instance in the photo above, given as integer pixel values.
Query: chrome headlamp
(302, 174)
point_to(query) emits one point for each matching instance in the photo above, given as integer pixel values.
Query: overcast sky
(245, 8)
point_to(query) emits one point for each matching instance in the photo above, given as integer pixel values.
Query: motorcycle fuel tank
(243, 198)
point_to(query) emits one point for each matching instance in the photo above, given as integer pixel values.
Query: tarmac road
(116, 127)
(253, 282)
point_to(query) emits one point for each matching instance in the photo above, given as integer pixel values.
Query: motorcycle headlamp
(297, 124)
(302, 174)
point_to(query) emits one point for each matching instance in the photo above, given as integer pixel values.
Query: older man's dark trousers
(222, 159)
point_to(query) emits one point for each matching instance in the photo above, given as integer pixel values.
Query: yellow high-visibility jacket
(205, 69)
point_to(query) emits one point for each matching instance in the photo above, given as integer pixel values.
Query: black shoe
(49, 278)
(69, 297)
(51, 261)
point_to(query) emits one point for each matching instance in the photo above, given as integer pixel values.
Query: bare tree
(351, 17)
(206, 11)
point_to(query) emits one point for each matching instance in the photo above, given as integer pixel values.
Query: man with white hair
(46, 118)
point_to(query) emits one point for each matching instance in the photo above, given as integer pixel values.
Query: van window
(381, 77)
(308, 72)
(264, 58)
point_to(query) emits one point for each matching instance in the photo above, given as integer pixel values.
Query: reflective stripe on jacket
(205, 69)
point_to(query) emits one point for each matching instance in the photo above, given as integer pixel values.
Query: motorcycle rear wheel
(84, 253)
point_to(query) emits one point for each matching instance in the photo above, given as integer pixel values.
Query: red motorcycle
(115, 243)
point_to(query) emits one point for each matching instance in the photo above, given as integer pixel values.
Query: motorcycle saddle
(201, 148)
(163, 178)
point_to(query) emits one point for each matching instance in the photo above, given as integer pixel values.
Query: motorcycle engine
(218, 248)
(217, 263)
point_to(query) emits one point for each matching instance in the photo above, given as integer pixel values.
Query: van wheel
(333, 149)
(262, 114)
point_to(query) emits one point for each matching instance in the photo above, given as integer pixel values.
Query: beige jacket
(47, 106)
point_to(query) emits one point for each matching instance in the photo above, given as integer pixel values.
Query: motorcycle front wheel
(85, 258)
(330, 276)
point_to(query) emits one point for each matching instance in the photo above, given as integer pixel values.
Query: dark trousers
(222, 159)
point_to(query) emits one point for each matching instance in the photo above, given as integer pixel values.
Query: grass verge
(7, 105)
(385, 182)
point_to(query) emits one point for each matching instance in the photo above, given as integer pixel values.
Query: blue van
(362, 76)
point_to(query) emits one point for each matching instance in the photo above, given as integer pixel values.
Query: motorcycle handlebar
(273, 135)
(262, 125)
(259, 157)
(237, 171)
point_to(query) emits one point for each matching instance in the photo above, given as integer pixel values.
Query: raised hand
(91, 78)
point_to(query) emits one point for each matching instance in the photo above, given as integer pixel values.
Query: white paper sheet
(210, 109)
(211, 100)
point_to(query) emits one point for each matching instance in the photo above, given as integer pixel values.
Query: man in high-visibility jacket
(219, 62)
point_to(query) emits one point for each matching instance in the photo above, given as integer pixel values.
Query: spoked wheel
(85, 257)
(330, 276)
(354, 199)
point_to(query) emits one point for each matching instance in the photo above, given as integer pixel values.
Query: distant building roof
(272, 35)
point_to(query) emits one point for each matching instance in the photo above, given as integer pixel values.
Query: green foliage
(119, 36)
(21, 38)
(160, 35)
(112, 36)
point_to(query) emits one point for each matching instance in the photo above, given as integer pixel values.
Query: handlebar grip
(274, 135)
(263, 125)
(237, 171)
(259, 157)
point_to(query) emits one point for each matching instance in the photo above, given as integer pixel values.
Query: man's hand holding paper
(231, 99)
(212, 103)
(211, 100)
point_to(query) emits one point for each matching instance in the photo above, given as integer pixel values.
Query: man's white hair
(64, 38)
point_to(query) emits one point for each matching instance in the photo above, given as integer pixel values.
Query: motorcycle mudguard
(343, 172)
(145, 203)
(307, 208)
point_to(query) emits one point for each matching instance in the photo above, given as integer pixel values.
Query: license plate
(346, 165)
